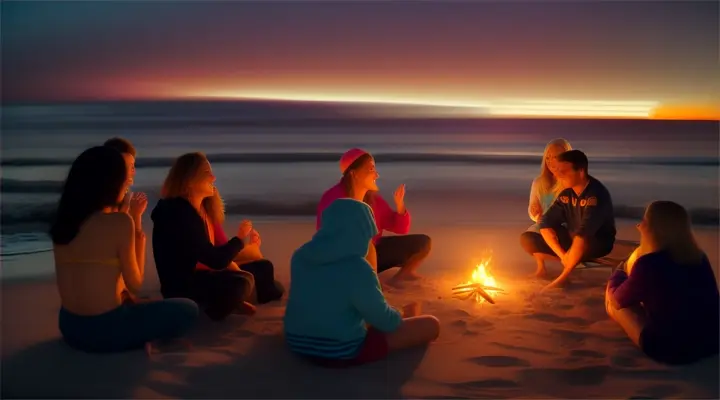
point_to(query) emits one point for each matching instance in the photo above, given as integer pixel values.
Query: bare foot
(393, 283)
(539, 274)
(245, 308)
(557, 285)
(167, 346)
(410, 276)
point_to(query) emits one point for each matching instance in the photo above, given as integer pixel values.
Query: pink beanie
(350, 157)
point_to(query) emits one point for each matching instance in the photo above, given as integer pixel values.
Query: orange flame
(481, 275)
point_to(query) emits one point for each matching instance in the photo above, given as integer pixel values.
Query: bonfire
(482, 285)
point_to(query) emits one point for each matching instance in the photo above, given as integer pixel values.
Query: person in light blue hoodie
(336, 314)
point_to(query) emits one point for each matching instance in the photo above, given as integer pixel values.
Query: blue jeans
(129, 326)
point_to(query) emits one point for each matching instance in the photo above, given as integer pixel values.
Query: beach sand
(557, 345)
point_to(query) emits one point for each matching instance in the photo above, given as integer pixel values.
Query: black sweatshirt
(589, 215)
(180, 240)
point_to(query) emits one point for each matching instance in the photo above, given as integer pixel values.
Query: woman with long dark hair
(96, 248)
(358, 182)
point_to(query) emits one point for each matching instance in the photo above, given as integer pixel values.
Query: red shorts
(374, 348)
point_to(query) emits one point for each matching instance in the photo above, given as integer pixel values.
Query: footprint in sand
(658, 392)
(594, 302)
(487, 384)
(562, 307)
(583, 376)
(460, 313)
(624, 361)
(459, 323)
(570, 336)
(462, 326)
(586, 354)
(483, 324)
(522, 348)
(558, 319)
(499, 361)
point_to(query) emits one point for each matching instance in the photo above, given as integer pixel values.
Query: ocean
(274, 159)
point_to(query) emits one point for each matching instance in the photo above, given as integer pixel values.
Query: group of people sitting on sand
(664, 296)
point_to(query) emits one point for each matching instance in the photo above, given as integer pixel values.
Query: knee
(184, 313)
(266, 266)
(424, 244)
(431, 326)
(527, 242)
(234, 290)
(279, 287)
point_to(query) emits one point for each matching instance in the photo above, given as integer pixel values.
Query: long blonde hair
(669, 229)
(546, 180)
(177, 184)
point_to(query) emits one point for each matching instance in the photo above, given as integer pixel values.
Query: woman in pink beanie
(358, 182)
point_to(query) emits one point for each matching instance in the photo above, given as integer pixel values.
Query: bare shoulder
(116, 222)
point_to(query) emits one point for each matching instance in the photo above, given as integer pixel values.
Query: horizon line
(506, 112)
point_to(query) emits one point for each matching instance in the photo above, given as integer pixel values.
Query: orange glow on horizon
(684, 112)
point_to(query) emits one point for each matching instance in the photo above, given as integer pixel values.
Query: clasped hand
(247, 234)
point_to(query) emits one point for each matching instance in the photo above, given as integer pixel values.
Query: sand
(557, 345)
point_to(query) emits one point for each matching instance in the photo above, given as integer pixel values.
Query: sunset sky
(662, 52)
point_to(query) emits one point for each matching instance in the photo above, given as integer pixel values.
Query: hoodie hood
(347, 227)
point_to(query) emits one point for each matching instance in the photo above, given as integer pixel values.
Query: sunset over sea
(646, 59)
(454, 99)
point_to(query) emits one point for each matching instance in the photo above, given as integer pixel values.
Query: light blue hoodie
(334, 291)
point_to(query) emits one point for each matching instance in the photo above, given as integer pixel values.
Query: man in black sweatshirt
(579, 226)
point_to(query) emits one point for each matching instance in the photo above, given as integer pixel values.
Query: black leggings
(396, 251)
(220, 292)
(267, 288)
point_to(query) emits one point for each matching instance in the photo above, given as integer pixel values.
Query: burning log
(481, 287)
(472, 286)
(475, 292)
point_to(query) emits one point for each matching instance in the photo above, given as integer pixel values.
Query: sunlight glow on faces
(507, 107)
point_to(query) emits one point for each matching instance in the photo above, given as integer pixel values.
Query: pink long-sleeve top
(386, 218)
(218, 238)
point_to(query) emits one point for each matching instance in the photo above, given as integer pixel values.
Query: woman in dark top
(183, 237)
(669, 303)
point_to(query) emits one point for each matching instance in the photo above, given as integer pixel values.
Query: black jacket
(589, 215)
(180, 240)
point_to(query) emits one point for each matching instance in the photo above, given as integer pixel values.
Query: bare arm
(552, 240)
(576, 252)
(534, 203)
(140, 241)
(570, 260)
(553, 218)
(131, 252)
(369, 301)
